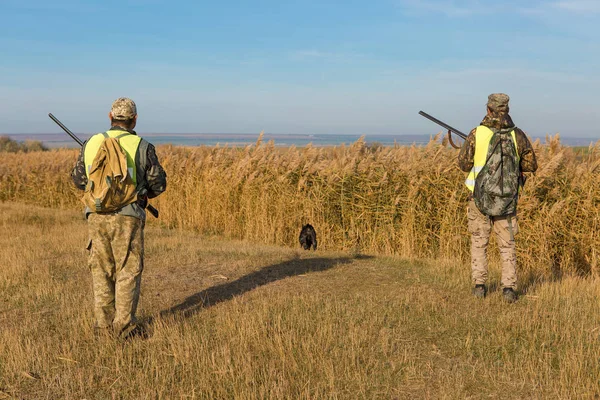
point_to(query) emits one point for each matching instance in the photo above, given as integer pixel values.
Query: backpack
(497, 184)
(110, 186)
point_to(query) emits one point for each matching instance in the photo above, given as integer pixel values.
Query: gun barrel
(440, 123)
(64, 128)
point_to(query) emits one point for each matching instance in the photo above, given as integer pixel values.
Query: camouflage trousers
(116, 260)
(480, 227)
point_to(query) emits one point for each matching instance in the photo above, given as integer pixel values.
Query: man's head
(498, 103)
(123, 113)
(497, 112)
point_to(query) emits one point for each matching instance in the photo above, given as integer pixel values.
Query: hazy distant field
(382, 310)
(61, 140)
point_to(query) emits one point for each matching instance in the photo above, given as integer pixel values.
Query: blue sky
(346, 67)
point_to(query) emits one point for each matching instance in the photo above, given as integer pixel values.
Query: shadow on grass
(579, 265)
(226, 291)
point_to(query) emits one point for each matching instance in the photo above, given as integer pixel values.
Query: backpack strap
(122, 135)
(141, 165)
(106, 135)
(510, 228)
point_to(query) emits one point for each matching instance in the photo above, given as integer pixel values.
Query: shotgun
(448, 127)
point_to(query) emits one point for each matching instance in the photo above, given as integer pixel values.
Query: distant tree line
(9, 145)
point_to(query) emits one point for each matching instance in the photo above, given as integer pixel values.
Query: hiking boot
(134, 331)
(509, 295)
(480, 291)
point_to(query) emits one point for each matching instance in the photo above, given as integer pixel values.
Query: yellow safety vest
(483, 136)
(128, 142)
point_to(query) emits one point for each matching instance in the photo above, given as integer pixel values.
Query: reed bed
(401, 200)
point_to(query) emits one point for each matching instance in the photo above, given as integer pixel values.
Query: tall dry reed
(405, 200)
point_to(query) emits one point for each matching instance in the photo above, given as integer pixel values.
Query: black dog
(308, 237)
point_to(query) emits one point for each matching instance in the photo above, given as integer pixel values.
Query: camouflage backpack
(110, 186)
(497, 184)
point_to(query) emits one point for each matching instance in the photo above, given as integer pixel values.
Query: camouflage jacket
(526, 153)
(151, 177)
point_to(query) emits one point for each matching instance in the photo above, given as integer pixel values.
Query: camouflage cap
(123, 108)
(498, 102)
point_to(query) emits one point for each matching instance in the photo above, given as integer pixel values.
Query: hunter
(116, 237)
(495, 154)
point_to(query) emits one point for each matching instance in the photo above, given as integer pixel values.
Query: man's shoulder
(471, 136)
(523, 140)
(521, 136)
(145, 145)
(519, 131)
(97, 135)
(96, 138)
(482, 128)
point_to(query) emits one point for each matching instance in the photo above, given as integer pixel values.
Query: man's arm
(156, 177)
(78, 174)
(467, 153)
(526, 153)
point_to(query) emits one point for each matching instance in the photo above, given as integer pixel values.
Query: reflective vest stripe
(483, 136)
(129, 143)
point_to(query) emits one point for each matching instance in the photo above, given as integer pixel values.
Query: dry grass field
(230, 319)
(236, 310)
